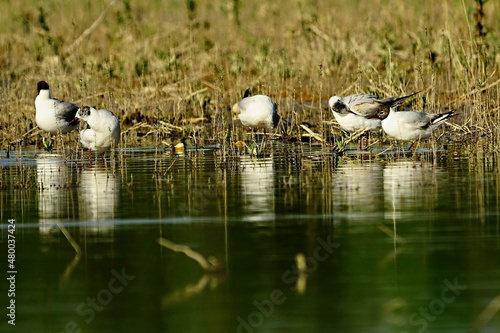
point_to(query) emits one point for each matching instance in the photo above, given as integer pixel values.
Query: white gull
(413, 125)
(103, 131)
(362, 111)
(258, 111)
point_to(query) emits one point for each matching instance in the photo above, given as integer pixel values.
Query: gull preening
(52, 115)
(258, 111)
(413, 125)
(103, 131)
(362, 111)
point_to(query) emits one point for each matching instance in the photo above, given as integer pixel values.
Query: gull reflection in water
(410, 190)
(99, 198)
(55, 201)
(409, 187)
(257, 181)
(357, 188)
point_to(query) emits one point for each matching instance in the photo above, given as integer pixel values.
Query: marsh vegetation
(172, 69)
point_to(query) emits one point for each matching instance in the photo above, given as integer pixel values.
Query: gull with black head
(360, 111)
(52, 115)
(413, 125)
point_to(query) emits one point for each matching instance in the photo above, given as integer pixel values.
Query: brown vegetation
(157, 64)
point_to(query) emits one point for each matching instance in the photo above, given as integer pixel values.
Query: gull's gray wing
(353, 100)
(414, 119)
(365, 105)
(65, 110)
(370, 106)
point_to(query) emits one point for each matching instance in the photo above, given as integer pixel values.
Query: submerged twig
(207, 280)
(488, 313)
(70, 239)
(210, 264)
(301, 264)
(71, 266)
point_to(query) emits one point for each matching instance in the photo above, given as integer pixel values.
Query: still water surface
(390, 245)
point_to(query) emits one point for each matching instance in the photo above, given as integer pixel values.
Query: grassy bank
(161, 65)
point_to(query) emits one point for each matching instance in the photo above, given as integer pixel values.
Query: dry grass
(156, 64)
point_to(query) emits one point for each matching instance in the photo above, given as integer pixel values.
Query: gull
(98, 200)
(103, 131)
(413, 125)
(362, 111)
(53, 115)
(258, 111)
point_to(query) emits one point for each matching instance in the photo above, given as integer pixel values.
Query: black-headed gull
(104, 131)
(53, 115)
(412, 125)
(361, 111)
(257, 111)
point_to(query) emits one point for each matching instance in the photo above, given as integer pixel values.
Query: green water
(391, 245)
